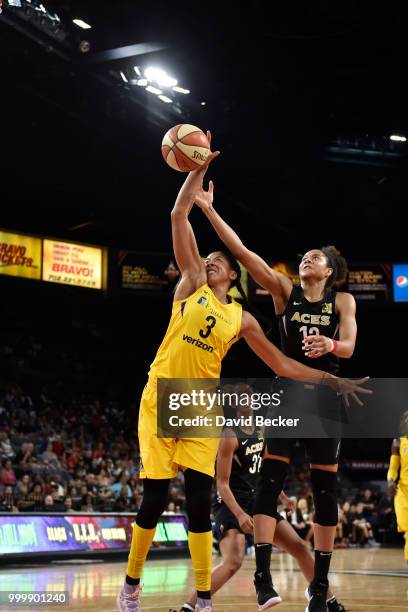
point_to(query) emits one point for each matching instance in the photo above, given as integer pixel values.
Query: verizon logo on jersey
(198, 343)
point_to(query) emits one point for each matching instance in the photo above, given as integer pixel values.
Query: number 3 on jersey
(204, 333)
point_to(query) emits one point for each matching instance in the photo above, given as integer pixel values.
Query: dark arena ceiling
(302, 99)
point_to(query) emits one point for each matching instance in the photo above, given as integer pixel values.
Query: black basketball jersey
(302, 318)
(246, 463)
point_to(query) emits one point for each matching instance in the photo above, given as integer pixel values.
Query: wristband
(334, 345)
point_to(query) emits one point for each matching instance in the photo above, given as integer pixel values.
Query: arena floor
(365, 580)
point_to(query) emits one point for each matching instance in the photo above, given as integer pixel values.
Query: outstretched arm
(289, 368)
(272, 356)
(278, 285)
(184, 243)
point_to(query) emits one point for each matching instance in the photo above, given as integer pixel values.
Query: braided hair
(338, 264)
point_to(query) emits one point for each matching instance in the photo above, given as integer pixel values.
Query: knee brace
(324, 486)
(270, 485)
(155, 493)
(198, 500)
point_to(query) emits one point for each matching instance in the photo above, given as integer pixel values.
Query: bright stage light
(82, 24)
(160, 77)
(154, 90)
(137, 70)
(181, 90)
(165, 99)
(398, 138)
(124, 78)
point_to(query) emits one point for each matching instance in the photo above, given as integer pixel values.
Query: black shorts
(226, 520)
(320, 450)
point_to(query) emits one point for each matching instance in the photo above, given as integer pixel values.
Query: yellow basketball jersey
(200, 333)
(403, 476)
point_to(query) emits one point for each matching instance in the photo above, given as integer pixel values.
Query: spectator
(301, 522)
(99, 452)
(26, 458)
(22, 488)
(341, 528)
(121, 481)
(69, 508)
(171, 508)
(49, 505)
(49, 458)
(123, 503)
(36, 496)
(7, 502)
(362, 531)
(87, 503)
(7, 475)
(103, 479)
(6, 449)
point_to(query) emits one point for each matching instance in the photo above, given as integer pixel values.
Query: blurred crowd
(63, 449)
(365, 518)
(69, 456)
(73, 456)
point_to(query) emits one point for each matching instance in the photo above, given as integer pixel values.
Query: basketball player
(201, 309)
(310, 317)
(398, 484)
(238, 463)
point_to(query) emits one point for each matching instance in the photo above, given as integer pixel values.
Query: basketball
(185, 147)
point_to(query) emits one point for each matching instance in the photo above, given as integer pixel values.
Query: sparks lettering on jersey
(313, 319)
(198, 343)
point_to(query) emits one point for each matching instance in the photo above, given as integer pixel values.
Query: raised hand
(204, 199)
(349, 388)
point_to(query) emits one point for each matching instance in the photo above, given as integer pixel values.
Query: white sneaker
(128, 599)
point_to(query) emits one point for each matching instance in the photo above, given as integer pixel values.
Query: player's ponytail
(236, 282)
(338, 264)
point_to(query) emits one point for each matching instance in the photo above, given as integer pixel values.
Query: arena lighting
(154, 90)
(137, 70)
(123, 75)
(82, 24)
(203, 103)
(16, 3)
(398, 138)
(160, 77)
(142, 82)
(166, 99)
(181, 90)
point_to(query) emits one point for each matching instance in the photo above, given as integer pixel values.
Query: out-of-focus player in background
(398, 481)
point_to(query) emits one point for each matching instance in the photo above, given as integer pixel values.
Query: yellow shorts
(163, 457)
(401, 507)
